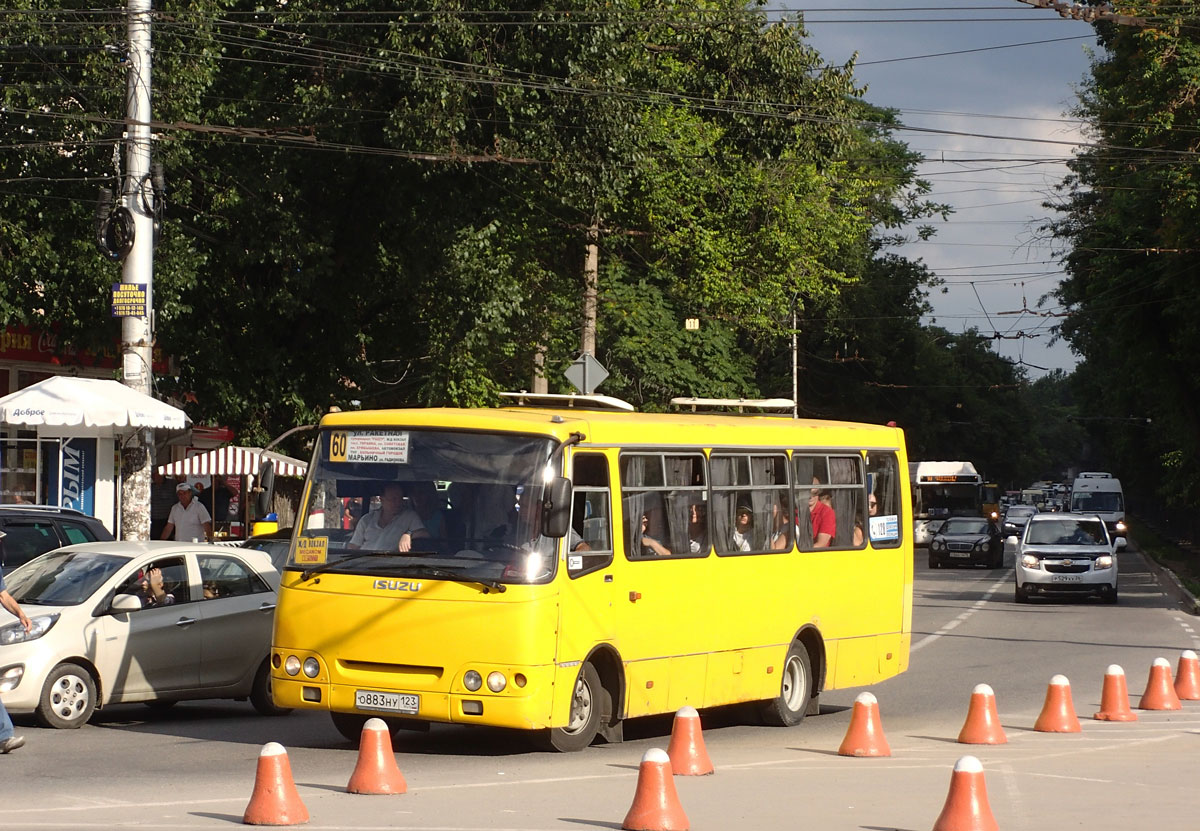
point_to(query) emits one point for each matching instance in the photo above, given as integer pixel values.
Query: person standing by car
(189, 520)
(8, 741)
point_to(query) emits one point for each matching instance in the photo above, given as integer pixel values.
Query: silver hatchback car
(1066, 554)
(154, 622)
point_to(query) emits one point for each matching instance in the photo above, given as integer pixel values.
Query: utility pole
(138, 196)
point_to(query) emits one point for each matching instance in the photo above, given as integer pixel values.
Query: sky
(1015, 100)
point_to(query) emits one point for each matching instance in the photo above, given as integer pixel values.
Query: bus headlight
(1030, 561)
(1121, 526)
(312, 667)
(497, 681)
(472, 680)
(292, 665)
(1103, 561)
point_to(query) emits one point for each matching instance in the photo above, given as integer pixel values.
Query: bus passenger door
(586, 571)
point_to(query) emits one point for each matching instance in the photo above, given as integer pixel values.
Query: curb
(1171, 584)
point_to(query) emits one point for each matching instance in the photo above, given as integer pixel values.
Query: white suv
(1066, 554)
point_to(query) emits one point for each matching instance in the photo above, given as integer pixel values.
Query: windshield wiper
(441, 573)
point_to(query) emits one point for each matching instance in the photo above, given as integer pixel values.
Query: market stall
(237, 466)
(59, 441)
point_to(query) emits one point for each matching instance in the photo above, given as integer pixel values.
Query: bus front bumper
(520, 711)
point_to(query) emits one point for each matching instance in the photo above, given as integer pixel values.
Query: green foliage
(395, 212)
(1131, 221)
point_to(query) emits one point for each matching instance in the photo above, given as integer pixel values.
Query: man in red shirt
(824, 521)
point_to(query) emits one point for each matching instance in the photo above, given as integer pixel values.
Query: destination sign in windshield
(368, 446)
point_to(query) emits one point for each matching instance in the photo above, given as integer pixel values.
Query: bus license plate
(392, 702)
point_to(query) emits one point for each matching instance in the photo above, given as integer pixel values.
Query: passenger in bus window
(698, 529)
(650, 546)
(743, 526)
(824, 521)
(390, 528)
(780, 540)
(428, 503)
(872, 510)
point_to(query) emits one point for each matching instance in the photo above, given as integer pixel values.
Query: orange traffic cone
(1114, 697)
(686, 750)
(1187, 677)
(983, 723)
(1058, 713)
(966, 807)
(1160, 694)
(376, 771)
(864, 736)
(275, 800)
(655, 804)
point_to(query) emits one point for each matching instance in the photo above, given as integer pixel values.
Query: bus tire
(587, 706)
(795, 689)
(350, 725)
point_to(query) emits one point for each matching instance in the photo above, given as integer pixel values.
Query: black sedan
(967, 541)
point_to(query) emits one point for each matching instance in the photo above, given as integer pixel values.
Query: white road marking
(975, 607)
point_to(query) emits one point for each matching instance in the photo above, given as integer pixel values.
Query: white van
(1100, 494)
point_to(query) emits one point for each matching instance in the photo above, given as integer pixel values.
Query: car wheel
(1111, 596)
(588, 703)
(68, 698)
(260, 694)
(933, 563)
(1020, 595)
(795, 689)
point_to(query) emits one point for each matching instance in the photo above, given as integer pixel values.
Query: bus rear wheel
(587, 708)
(795, 689)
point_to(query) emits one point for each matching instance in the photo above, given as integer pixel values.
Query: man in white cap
(188, 521)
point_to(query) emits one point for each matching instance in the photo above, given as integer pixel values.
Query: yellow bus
(565, 564)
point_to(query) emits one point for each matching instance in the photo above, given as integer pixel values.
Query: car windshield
(466, 505)
(62, 578)
(1067, 532)
(964, 525)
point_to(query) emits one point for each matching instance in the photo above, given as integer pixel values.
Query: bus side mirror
(556, 508)
(264, 488)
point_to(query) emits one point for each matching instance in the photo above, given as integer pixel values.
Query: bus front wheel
(586, 710)
(795, 688)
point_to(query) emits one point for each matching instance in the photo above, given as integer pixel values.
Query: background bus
(941, 490)
(579, 557)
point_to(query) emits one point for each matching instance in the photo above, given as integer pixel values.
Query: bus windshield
(418, 503)
(1091, 502)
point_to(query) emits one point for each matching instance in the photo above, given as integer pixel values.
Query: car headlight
(937, 545)
(15, 632)
(1103, 561)
(980, 545)
(1120, 526)
(1030, 561)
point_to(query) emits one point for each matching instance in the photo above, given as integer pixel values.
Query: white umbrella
(63, 401)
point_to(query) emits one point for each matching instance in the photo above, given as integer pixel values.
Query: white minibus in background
(1100, 493)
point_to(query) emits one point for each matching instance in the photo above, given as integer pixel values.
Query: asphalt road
(193, 766)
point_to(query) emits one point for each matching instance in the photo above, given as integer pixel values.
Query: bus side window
(883, 480)
(589, 540)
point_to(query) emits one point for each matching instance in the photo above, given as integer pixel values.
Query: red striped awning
(233, 461)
